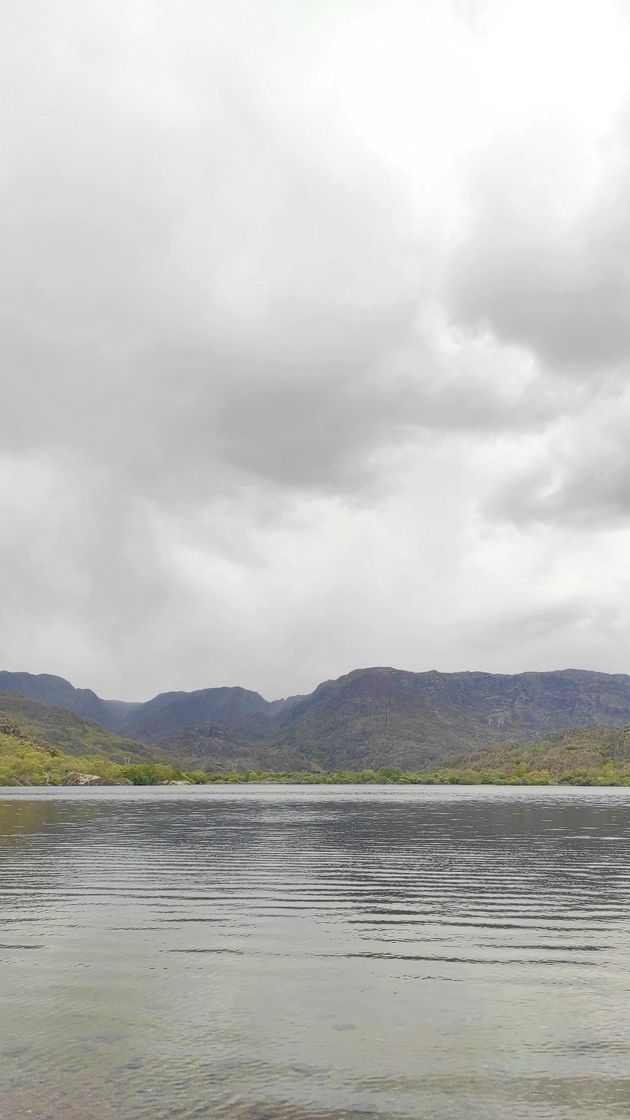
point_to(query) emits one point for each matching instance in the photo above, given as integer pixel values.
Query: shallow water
(318, 953)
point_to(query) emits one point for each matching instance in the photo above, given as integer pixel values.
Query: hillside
(353, 726)
(28, 760)
(373, 717)
(69, 733)
(244, 713)
(59, 693)
(364, 720)
(217, 750)
(577, 757)
(239, 709)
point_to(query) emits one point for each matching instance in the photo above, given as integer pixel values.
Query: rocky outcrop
(76, 778)
(7, 727)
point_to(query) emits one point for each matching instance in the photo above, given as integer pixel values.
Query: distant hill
(244, 713)
(367, 719)
(235, 708)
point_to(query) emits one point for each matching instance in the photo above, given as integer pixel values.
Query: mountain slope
(214, 749)
(602, 756)
(59, 693)
(375, 717)
(366, 719)
(238, 709)
(69, 733)
(245, 713)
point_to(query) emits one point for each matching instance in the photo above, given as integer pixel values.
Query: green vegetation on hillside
(32, 762)
(25, 761)
(565, 758)
(69, 733)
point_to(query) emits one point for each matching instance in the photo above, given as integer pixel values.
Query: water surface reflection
(315, 954)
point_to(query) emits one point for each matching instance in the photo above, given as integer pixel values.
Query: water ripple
(248, 954)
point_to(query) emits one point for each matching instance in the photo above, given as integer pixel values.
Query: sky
(316, 339)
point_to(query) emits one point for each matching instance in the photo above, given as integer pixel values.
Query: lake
(315, 953)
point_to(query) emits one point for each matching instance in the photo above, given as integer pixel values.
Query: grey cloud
(200, 288)
(575, 633)
(536, 273)
(587, 488)
(229, 419)
(579, 476)
(537, 624)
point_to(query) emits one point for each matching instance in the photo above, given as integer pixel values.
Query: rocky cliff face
(380, 716)
(366, 719)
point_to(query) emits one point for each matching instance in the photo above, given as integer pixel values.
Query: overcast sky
(316, 339)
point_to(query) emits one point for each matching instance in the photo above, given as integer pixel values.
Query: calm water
(315, 954)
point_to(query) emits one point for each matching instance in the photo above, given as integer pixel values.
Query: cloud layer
(316, 331)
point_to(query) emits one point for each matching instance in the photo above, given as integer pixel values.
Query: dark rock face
(369, 718)
(7, 727)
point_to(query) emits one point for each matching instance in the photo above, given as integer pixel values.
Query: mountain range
(366, 719)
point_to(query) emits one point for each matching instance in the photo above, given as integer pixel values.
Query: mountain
(363, 720)
(235, 708)
(69, 733)
(382, 716)
(56, 692)
(59, 693)
(245, 714)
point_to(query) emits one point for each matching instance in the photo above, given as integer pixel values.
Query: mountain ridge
(367, 718)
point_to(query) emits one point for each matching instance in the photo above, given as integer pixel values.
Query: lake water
(318, 953)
